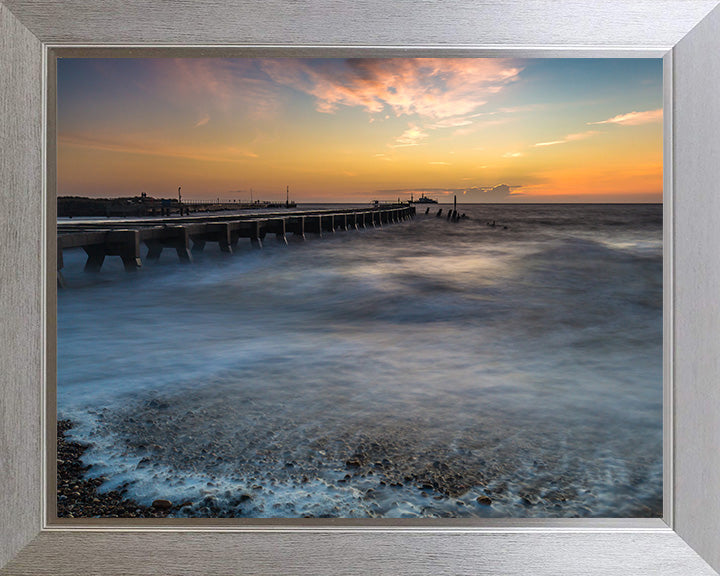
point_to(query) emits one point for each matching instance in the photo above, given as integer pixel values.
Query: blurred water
(398, 372)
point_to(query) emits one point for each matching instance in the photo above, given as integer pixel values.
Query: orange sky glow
(338, 130)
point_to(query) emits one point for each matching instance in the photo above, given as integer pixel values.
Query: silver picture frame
(683, 32)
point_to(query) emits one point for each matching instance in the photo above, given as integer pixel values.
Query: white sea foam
(527, 358)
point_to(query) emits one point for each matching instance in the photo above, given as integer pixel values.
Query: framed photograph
(399, 495)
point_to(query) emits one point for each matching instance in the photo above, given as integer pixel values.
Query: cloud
(411, 137)
(497, 193)
(204, 120)
(433, 88)
(521, 109)
(438, 163)
(451, 123)
(236, 86)
(458, 121)
(512, 154)
(569, 138)
(634, 118)
(551, 143)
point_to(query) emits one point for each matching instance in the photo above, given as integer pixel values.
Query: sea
(505, 365)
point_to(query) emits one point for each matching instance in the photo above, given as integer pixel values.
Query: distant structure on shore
(422, 200)
(144, 205)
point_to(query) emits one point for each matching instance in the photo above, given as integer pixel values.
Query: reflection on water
(422, 369)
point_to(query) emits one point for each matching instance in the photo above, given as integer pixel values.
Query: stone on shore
(162, 504)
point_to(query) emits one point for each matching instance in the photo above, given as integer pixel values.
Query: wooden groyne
(188, 235)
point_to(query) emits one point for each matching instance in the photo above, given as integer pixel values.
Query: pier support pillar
(131, 262)
(126, 244)
(184, 254)
(277, 226)
(182, 245)
(255, 230)
(221, 230)
(60, 266)
(198, 245)
(296, 225)
(314, 224)
(154, 251)
(95, 258)
(327, 223)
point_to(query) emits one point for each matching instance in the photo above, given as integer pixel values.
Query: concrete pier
(190, 235)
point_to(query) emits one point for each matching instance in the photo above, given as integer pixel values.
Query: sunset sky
(338, 130)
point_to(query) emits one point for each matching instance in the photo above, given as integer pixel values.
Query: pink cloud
(634, 118)
(434, 88)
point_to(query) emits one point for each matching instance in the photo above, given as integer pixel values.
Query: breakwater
(187, 235)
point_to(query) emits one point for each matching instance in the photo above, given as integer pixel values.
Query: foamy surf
(427, 369)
